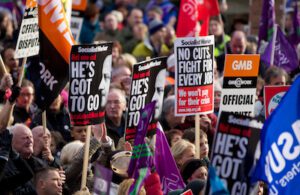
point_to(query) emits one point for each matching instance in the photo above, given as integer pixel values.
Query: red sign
(272, 97)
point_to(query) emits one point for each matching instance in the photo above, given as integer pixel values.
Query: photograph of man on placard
(158, 95)
(105, 80)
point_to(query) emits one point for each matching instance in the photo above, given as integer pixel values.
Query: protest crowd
(88, 137)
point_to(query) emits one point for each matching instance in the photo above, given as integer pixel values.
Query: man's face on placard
(158, 95)
(105, 80)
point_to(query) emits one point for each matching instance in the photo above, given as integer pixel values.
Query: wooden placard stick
(86, 157)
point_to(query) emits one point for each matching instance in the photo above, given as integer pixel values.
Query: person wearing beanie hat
(194, 169)
(154, 45)
(154, 26)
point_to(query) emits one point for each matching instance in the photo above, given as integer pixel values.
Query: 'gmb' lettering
(242, 65)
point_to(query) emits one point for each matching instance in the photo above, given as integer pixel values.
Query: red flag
(188, 18)
(206, 9)
(192, 12)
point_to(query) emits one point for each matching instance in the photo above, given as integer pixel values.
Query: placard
(194, 75)
(90, 73)
(239, 84)
(28, 41)
(272, 97)
(148, 83)
(234, 148)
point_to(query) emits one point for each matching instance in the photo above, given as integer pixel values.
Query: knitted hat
(154, 26)
(190, 167)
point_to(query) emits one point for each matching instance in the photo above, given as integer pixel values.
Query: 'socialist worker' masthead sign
(239, 85)
(90, 72)
(148, 84)
(28, 41)
(194, 75)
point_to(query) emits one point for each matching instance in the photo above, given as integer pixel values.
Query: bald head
(238, 42)
(22, 140)
(40, 139)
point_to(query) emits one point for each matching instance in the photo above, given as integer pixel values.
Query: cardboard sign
(78, 8)
(234, 148)
(148, 83)
(90, 73)
(239, 84)
(272, 97)
(28, 41)
(194, 75)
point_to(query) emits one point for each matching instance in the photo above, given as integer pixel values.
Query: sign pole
(86, 157)
(22, 71)
(197, 136)
(2, 67)
(44, 121)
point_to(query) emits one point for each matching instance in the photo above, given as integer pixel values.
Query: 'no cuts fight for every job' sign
(194, 75)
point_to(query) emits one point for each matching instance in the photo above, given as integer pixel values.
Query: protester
(41, 146)
(168, 118)
(237, 45)
(125, 186)
(152, 46)
(276, 76)
(115, 114)
(58, 119)
(110, 29)
(25, 108)
(48, 182)
(90, 26)
(79, 133)
(10, 62)
(73, 164)
(117, 51)
(18, 173)
(194, 169)
(5, 84)
(182, 151)
(140, 33)
(135, 17)
(189, 135)
(25, 154)
(216, 28)
(173, 136)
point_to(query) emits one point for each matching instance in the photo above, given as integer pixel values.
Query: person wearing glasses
(115, 114)
(25, 108)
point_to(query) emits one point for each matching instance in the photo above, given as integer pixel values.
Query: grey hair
(169, 103)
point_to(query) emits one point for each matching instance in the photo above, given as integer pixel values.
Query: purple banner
(141, 154)
(285, 55)
(267, 21)
(165, 164)
(103, 177)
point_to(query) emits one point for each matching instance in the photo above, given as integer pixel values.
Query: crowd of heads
(137, 31)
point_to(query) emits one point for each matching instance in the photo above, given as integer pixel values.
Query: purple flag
(141, 154)
(138, 182)
(103, 177)
(294, 38)
(165, 164)
(267, 21)
(285, 55)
